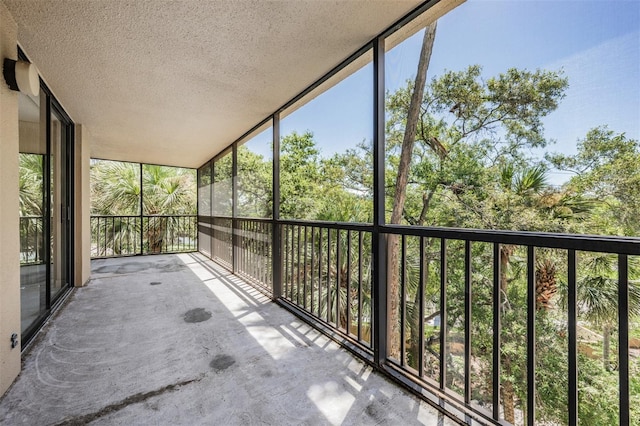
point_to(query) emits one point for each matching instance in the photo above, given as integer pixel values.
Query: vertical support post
(443, 314)
(212, 193)
(234, 209)
(379, 333)
(198, 212)
(572, 323)
(623, 336)
(467, 322)
(497, 329)
(47, 200)
(403, 300)
(421, 284)
(141, 213)
(531, 335)
(70, 203)
(276, 236)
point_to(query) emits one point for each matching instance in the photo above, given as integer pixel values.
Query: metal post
(378, 239)
(497, 330)
(572, 321)
(531, 335)
(212, 194)
(141, 212)
(276, 240)
(623, 336)
(467, 321)
(234, 209)
(47, 200)
(443, 314)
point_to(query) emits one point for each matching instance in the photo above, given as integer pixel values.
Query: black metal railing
(457, 303)
(31, 240)
(465, 299)
(327, 273)
(222, 240)
(113, 236)
(254, 255)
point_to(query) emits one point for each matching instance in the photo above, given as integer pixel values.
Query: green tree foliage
(471, 167)
(32, 207)
(604, 170)
(166, 191)
(115, 189)
(255, 186)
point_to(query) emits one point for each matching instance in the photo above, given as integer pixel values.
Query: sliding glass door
(45, 138)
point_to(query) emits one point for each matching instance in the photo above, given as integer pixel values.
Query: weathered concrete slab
(175, 340)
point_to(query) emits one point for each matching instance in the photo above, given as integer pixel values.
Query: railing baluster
(467, 321)
(348, 298)
(359, 285)
(304, 268)
(443, 313)
(421, 283)
(572, 324)
(403, 299)
(496, 330)
(112, 240)
(104, 253)
(251, 257)
(312, 266)
(319, 272)
(531, 335)
(246, 247)
(623, 337)
(295, 232)
(329, 275)
(298, 269)
(286, 259)
(338, 278)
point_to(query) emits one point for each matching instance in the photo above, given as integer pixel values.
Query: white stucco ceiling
(174, 82)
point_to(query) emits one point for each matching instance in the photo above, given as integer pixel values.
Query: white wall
(9, 227)
(82, 258)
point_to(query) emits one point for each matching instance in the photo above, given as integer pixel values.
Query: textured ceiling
(174, 82)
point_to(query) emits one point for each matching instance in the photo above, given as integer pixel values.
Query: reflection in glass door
(45, 134)
(33, 227)
(59, 206)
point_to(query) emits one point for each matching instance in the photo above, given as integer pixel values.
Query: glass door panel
(59, 206)
(33, 227)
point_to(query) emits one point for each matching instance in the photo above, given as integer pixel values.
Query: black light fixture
(21, 76)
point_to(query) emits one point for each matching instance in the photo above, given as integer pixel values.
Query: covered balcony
(177, 339)
(407, 213)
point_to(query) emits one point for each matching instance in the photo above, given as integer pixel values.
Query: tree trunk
(606, 346)
(508, 399)
(402, 177)
(414, 342)
(508, 394)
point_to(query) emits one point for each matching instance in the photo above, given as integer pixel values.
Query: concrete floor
(175, 340)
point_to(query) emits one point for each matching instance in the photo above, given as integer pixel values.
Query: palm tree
(31, 182)
(597, 295)
(166, 192)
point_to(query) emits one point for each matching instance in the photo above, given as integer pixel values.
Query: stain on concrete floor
(222, 362)
(196, 315)
(133, 399)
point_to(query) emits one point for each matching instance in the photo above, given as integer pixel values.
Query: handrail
(127, 235)
(326, 279)
(596, 243)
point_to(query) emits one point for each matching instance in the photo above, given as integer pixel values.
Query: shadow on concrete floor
(175, 339)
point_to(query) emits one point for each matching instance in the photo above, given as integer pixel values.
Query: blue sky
(596, 43)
